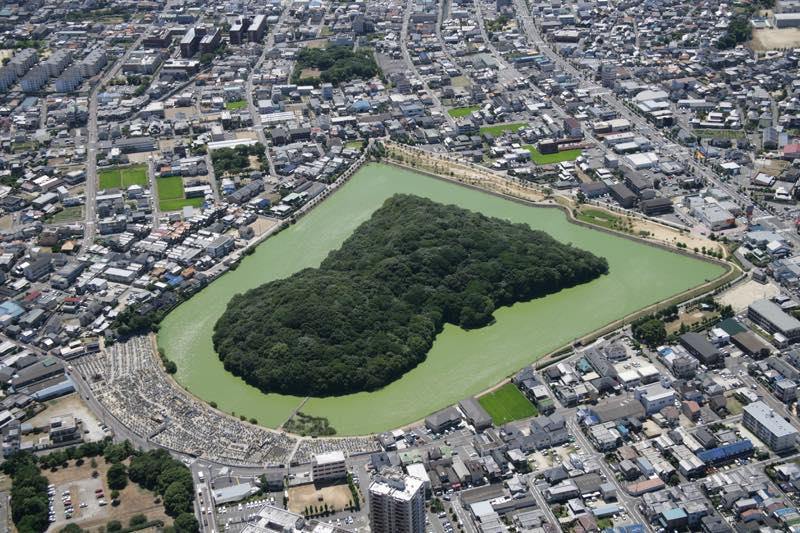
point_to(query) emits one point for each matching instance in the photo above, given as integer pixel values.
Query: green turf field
(458, 112)
(549, 159)
(499, 129)
(170, 195)
(236, 105)
(506, 404)
(176, 204)
(123, 177)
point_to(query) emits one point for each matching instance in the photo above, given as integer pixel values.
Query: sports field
(123, 177)
(499, 129)
(550, 159)
(170, 195)
(506, 404)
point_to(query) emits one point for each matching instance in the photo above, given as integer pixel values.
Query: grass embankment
(506, 404)
(598, 217)
(123, 177)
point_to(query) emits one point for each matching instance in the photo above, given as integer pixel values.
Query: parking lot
(76, 501)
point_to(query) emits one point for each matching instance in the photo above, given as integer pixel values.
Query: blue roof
(173, 280)
(606, 510)
(11, 308)
(722, 453)
(54, 391)
(633, 528)
(674, 514)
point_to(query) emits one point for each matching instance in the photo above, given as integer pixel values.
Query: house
(549, 431)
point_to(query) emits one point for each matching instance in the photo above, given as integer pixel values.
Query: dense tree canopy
(372, 309)
(336, 64)
(29, 502)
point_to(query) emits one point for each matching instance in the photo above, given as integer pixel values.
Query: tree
(114, 525)
(137, 520)
(117, 476)
(371, 311)
(186, 523)
(176, 499)
(650, 331)
(70, 528)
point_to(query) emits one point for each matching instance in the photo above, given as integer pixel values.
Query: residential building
(397, 503)
(769, 426)
(329, 467)
(772, 318)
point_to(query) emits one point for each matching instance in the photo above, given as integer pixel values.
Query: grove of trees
(157, 471)
(372, 309)
(336, 64)
(29, 502)
(236, 159)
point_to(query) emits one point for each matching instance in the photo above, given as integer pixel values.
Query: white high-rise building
(396, 503)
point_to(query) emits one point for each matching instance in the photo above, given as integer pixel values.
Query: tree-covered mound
(373, 308)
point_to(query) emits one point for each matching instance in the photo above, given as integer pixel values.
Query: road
(407, 12)
(630, 502)
(90, 193)
(151, 176)
(258, 127)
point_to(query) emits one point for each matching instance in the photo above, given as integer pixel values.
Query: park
(462, 362)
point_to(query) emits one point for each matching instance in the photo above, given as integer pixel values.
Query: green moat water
(461, 363)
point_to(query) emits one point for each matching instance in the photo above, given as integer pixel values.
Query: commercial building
(232, 493)
(787, 20)
(715, 217)
(63, 429)
(772, 318)
(623, 195)
(656, 206)
(769, 426)
(328, 467)
(397, 503)
(700, 347)
(475, 413)
(655, 397)
(444, 419)
(271, 518)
